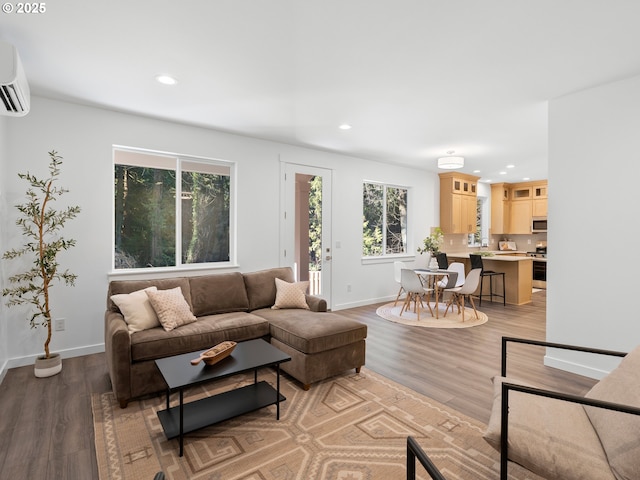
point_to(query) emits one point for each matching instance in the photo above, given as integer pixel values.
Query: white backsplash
(457, 243)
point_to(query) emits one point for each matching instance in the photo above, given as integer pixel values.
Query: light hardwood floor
(46, 427)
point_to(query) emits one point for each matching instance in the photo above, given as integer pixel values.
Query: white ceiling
(415, 78)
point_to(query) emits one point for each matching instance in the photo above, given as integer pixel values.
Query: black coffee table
(179, 374)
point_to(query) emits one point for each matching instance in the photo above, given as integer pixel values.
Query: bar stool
(476, 262)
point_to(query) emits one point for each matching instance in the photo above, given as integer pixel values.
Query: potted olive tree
(41, 224)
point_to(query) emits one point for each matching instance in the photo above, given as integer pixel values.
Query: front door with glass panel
(306, 232)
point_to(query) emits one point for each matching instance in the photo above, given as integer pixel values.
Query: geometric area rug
(452, 320)
(349, 427)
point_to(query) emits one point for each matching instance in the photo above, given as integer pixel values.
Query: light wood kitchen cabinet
(520, 193)
(539, 200)
(458, 202)
(540, 191)
(539, 207)
(513, 205)
(520, 219)
(464, 186)
(500, 208)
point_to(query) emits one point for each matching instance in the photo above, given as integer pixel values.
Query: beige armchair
(569, 437)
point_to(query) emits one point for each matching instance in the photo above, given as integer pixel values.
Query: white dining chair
(457, 267)
(416, 291)
(459, 294)
(397, 273)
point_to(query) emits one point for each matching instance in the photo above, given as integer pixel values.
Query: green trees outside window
(152, 228)
(315, 224)
(384, 227)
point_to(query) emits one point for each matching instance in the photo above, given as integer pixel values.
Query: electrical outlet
(529, 241)
(59, 324)
(348, 288)
(450, 242)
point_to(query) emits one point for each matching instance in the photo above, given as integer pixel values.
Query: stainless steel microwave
(538, 224)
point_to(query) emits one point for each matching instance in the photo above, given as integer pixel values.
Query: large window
(384, 227)
(170, 211)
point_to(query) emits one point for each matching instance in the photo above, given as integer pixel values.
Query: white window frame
(389, 257)
(164, 162)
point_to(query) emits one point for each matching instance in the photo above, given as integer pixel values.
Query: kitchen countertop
(500, 257)
(518, 271)
(520, 252)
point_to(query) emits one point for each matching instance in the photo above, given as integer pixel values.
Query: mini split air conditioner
(14, 89)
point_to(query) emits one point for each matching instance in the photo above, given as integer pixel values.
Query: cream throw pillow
(550, 437)
(619, 432)
(172, 309)
(290, 295)
(137, 310)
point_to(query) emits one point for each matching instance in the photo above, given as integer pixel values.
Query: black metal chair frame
(414, 451)
(490, 274)
(507, 387)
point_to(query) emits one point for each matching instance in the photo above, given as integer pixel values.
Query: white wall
(84, 137)
(594, 167)
(4, 344)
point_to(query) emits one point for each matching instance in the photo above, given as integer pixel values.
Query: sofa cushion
(312, 332)
(127, 286)
(261, 286)
(137, 310)
(619, 432)
(290, 295)
(204, 333)
(550, 437)
(172, 309)
(219, 293)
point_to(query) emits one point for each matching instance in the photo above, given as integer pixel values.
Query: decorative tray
(215, 354)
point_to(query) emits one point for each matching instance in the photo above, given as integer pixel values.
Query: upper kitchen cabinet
(458, 202)
(514, 205)
(520, 218)
(539, 201)
(500, 208)
(462, 184)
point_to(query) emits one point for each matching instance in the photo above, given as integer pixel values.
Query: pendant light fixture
(450, 162)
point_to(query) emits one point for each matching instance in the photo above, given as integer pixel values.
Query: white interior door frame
(288, 235)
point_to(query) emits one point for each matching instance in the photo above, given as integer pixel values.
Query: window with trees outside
(384, 222)
(171, 211)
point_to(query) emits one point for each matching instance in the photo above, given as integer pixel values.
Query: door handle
(328, 257)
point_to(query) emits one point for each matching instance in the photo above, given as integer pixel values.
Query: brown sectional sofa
(230, 306)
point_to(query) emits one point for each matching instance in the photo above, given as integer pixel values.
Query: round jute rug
(452, 320)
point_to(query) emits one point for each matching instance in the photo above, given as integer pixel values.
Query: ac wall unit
(14, 89)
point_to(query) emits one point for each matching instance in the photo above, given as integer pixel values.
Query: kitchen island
(518, 274)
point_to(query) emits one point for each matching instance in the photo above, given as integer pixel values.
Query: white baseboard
(69, 353)
(577, 368)
(363, 303)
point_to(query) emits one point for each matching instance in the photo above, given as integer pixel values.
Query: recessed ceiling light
(510, 166)
(345, 126)
(503, 173)
(166, 79)
(476, 171)
(526, 178)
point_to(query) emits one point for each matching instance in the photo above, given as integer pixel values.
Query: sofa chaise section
(321, 345)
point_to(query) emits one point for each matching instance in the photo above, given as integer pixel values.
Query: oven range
(539, 267)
